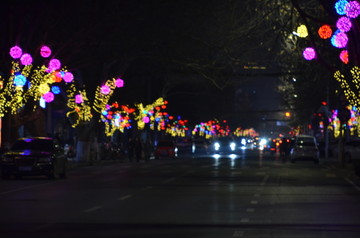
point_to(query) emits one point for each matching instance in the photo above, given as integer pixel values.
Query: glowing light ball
(54, 64)
(146, 119)
(56, 77)
(15, 52)
(344, 24)
(325, 32)
(302, 31)
(19, 80)
(45, 51)
(339, 39)
(105, 89)
(55, 89)
(309, 53)
(48, 97)
(44, 88)
(119, 83)
(340, 6)
(344, 56)
(79, 99)
(26, 59)
(352, 9)
(68, 77)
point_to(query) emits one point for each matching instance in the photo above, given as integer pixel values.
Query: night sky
(159, 48)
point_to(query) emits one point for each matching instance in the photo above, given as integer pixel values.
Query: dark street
(252, 195)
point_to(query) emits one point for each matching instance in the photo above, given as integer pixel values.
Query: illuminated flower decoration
(68, 77)
(79, 99)
(48, 97)
(44, 88)
(119, 83)
(54, 64)
(26, 59)
(340, 6)
(339, 39)
(343, 24)
(344, 56)
(325, 32)
(45, 51)
(15, 52)
(352, 9)
(55, 89)
(19, 80)
(302, 31)
(105, 89)
(309, 53)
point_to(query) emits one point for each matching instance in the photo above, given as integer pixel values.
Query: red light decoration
(56, 77)
(325, 32)
(344, 56)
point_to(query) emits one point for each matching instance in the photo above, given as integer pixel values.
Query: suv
(305, 148)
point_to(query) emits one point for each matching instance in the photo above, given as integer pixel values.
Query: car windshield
(306, 142)
(33, 144)
(165, 143)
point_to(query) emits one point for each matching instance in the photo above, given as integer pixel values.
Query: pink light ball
(15, 52)
(79, 99)
(309, 53)
(68, 77)
(26, 59)
(105, 89)
(45, 51)
(119, 83)
(48, 97)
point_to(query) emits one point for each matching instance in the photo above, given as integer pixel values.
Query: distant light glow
(48, 97)
(19, 80)
(340, 6)
(45, 51)
(68, 77)
(352, 9)
(15, 52)
(339, 39)
(309, 53)
(105, 89)
(26, 59)
(343, 24)
(344, 56)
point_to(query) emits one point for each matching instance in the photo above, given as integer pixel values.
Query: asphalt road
(251, 195)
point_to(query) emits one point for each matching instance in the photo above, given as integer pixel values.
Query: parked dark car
(34, 156)
(166, 148)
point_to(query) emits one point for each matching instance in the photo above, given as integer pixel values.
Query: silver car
(305, 148)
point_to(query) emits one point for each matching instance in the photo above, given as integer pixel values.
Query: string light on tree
(352, 9)
(344, 56)
(340, 6)
(339, 39)
(26, 59)
(15, 52)
(344, 24)
(45, 51)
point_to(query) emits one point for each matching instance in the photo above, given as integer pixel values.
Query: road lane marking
(125, 197)
(169, 180)
(244, 220)
(352, 183)
(147, 188)
(238, 234)
(254, 202)
(25, 188)
(92, 209)
(250, 210)
(256, 195)
(264, 180)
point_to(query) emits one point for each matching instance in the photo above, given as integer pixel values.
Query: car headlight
(217, 146)
(232, 145)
